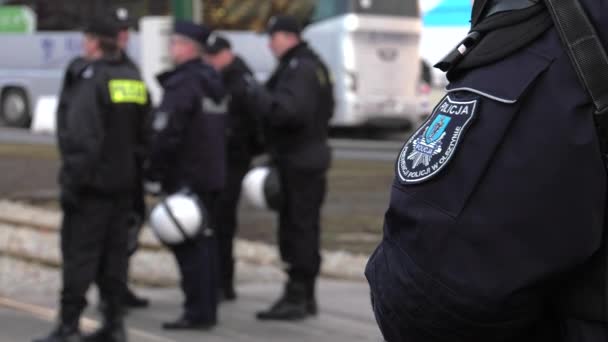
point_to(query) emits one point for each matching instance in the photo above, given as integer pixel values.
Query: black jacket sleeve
(169, 124)
(143, 133)
(70, 80)
(82, 134)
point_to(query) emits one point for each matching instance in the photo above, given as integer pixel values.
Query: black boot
(184, 323)
(311, 300)
(290, 307)
(131, 301)
(112, 328)
(63, 333)
(227, 293)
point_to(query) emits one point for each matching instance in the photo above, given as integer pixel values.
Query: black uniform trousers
(238, 165)
(198, 263)
(135, 220)
(93, 246)
(300, 221)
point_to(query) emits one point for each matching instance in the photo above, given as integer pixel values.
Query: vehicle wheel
(15, 109)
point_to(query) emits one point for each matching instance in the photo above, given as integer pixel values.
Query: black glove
(153, 188)
(257, 97)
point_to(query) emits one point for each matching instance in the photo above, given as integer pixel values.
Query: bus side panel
(324, 39)
(35, 63)
(376, 68)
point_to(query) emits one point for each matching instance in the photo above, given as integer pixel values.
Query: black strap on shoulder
(589, 298)
(584, 48)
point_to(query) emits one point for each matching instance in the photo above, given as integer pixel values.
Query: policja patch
(432, 146)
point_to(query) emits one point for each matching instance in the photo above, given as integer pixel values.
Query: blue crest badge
(432, 146)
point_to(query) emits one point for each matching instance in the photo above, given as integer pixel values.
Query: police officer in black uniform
(296, 107)
(188, 152)
(98, 126)
(499, 198)
(139, 205)
(138, 212)
(243, 141)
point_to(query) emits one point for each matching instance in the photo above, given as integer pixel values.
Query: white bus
(370, 46)
(32, 63)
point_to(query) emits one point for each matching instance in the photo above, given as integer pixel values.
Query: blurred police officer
(139, 205)
(98, 127)
(138, 212)
(296, 107)
(242, 143)
(77, 64)
(499, 198)
(188, 152)
(124, 24)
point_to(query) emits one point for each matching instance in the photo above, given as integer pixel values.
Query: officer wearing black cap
(243, 141)
(498, 209)
(137, 215)
(295, 108)
(188, 151)
(79, 63)
(98, 128)
(124, 22)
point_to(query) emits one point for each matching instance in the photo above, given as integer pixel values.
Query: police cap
(102, 27)
(123, 18)
(197, 33)
(216, 43)
(283, 23)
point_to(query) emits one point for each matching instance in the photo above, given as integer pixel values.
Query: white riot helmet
(178, 218)
(261, 187)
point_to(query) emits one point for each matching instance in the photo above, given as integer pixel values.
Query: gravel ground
(21, 279)
(352, 216)
(31, 233)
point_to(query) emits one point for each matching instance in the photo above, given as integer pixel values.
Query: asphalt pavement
(345, 316)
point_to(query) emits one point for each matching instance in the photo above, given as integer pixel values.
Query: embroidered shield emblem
(432, 146)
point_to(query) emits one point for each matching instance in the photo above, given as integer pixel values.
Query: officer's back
(108, 99)
(298, 131)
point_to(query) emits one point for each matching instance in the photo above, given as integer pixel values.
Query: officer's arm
(61, 113)
(169, 124)
(294, 100)
(85, 132)
(64, 98)
(144, 123)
